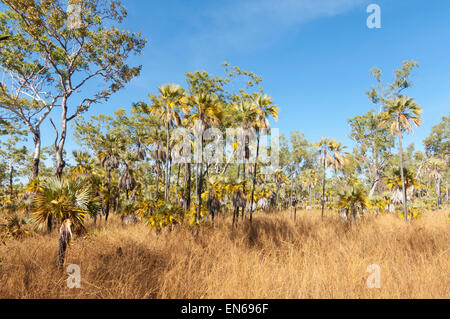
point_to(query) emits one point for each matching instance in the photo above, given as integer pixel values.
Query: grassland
(276, 258)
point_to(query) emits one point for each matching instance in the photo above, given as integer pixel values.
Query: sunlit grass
(277, 258)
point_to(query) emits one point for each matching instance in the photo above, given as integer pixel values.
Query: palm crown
(402, 112)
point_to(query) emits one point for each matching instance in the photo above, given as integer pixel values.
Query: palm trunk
(200, 183)
(278, 196)
(254, 178)
(187, 187)
(178, 175)
(323, 181)
(310, 196)
(170, 174)
(109, 195)
(290, 206)
(49, 223)
(64, 240)
(199, 189)
(157, 180)
(353, 215)
(403, 177)
(446, 189)
(438, 193)
(166, 176)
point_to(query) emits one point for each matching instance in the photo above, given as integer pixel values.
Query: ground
(276, 258)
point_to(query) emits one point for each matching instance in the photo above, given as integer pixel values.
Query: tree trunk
(374, 186)
(11, 179)
(278, 196)
(403, 177)
(199, 189)
(167, 174)
(290, 206)
(187, 187)
(37, 155)
(65, 235)
(60, 163)
(200, 183)
(169, 177)
(353, 215)
(157, 180)
(108, 187)
(323, 181)
(438, 193)
(49, 224)
(254, 178)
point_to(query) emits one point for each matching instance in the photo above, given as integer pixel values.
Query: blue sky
(314, 55)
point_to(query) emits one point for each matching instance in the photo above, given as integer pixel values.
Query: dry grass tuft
(276, 258)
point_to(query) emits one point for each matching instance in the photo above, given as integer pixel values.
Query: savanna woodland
(141, 224)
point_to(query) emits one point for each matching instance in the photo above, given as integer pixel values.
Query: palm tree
(126, 181)
(331, 154)
(62, 199)
(171, 95)
(336, 149)
(401, 113)
(436, 168)
(395, 185)
(309, 181)
(69, 201)
(109, 162)
(264, 109)
(245, 115)
(159, 156)
(352, 199)
(207, 112)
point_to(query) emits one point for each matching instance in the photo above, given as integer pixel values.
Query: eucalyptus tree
(13, 152)
(374, 145)
(437, 144)
(30, 113)
(21, 95)
(71, 55)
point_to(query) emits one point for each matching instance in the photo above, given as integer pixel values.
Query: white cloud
(255, 24)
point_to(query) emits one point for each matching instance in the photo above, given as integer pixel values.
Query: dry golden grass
(277, 258)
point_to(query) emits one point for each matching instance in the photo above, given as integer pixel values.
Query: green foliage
(159, 215)
(65, 198)
(438, 143)
(352, 198)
